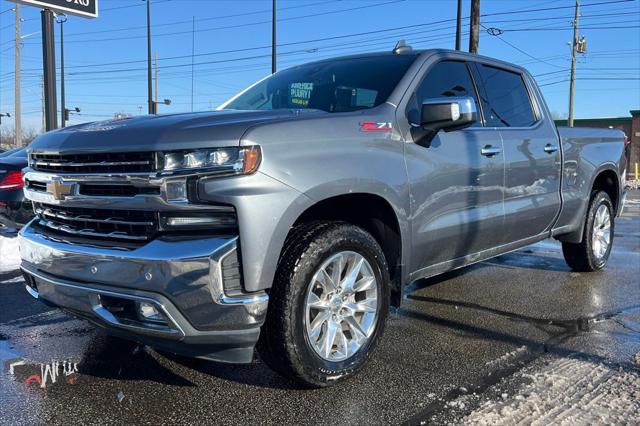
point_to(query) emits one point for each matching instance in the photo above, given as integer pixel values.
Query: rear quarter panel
(586, 153)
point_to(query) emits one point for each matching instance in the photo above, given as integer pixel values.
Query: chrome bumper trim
(174, 330)
(217, 284)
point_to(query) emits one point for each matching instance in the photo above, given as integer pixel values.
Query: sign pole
(49, 67)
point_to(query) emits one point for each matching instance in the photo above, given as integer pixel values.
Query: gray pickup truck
(289, 219)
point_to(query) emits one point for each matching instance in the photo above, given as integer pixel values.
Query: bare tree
(8, 137)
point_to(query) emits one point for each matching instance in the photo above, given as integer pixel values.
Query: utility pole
(193, 52)
(17, 111)
(44, 125)
(149, 87)
(474, 35)
(155, 104)
(61, 19)
(574, 51)
(273, 37)
(459, 25)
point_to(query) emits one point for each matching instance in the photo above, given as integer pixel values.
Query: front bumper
(182, 279)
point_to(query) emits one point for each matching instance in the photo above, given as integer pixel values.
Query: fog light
(176, 190)
(148, 312)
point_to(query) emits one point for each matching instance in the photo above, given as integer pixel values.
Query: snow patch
(636, 358)
(567, 391)
(9, 254)
(506, 357)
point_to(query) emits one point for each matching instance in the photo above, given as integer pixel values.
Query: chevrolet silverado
(290, 218)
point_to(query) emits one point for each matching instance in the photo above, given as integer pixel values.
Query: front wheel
(328, 304)
(593, 252)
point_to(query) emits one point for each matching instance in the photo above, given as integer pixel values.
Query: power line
(593, 78)
(279, 45)
(586, 27)
(213, 18)
(132, 5)
(286, 44)
(335, 47)
(555, 8)
(588, 69)
(332, 12)
(218, 61)
(555, 18)
(111, 39)
(520, 50)
(112, 8)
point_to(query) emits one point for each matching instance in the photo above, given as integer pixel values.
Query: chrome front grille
(125, 225)
(121, 162)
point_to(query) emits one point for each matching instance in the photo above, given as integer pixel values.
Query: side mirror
(443, 114)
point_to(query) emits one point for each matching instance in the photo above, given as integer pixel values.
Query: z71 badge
(372, 126)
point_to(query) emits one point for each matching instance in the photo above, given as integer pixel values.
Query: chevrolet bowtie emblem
(59, 189)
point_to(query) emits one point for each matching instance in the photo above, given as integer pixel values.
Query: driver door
(456, 187)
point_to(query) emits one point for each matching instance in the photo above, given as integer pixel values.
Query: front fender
(266, 210)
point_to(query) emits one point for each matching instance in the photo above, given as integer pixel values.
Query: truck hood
(160, 132)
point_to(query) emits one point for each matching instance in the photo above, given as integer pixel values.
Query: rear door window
(505, 99)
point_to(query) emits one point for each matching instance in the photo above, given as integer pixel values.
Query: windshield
(333, 86)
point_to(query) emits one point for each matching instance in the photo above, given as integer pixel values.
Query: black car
(15, 211)
(4, 153)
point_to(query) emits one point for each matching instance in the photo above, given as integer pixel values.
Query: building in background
(629, 125)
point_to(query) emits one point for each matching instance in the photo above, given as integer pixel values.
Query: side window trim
(471, 69)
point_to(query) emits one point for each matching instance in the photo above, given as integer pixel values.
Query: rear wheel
(328, 305)
(593, 252)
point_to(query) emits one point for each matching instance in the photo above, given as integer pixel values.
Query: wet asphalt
(461, 332)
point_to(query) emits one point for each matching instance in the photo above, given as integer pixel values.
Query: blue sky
(106, 57)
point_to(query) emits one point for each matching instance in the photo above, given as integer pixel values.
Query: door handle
(490, 151)
(550, 149)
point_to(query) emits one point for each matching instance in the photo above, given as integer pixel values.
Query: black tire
(283, 342)
(580, 256)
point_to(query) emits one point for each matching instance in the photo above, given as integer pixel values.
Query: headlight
(226, 161)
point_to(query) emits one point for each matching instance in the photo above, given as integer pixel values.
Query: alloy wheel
(601, 235)
(341, 306)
